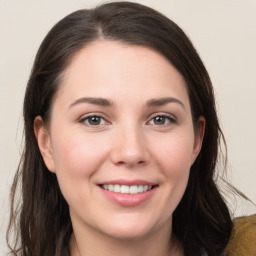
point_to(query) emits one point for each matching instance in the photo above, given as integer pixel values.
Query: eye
(161, 120)
(94, 120)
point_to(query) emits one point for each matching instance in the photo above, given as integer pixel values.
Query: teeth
(140, 189)
(133, 189)
(117, 188)
(123, 189)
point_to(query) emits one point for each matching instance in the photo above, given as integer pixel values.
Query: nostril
(130, 163)
(129, 152)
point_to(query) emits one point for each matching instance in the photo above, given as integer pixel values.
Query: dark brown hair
(201, 222)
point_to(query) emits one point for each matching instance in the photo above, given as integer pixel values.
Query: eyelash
(86, 120)
(169, 118)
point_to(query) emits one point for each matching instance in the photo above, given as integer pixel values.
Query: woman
(121, 141)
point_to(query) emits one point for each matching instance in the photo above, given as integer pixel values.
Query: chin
(128, 233)
(130, 229)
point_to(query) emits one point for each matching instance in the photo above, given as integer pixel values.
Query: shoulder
(243, 238)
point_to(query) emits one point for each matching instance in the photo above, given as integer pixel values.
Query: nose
(130, 147)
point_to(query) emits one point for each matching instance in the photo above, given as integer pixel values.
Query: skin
(127, 143)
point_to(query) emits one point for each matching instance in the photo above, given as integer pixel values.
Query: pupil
(94, 120)
(159, 120)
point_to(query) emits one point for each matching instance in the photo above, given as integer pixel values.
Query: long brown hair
(201, 222)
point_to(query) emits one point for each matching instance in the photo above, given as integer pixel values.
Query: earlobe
(199, 136)
(44, 143)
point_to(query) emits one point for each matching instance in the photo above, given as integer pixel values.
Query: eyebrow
(94, 101)
(163, 101)
(107, 103)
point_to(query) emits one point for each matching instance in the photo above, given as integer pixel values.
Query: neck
(158, 243)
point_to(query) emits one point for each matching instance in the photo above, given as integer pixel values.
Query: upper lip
(127, 182)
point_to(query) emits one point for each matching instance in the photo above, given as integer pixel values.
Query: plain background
(224, 33)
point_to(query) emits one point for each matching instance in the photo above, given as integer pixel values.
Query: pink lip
(128, 182)
(128, 200)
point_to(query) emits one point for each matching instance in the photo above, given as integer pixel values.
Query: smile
(124, 189)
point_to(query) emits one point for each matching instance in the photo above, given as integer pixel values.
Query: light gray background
(224, 33)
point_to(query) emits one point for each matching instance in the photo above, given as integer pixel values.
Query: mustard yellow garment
(243, 237)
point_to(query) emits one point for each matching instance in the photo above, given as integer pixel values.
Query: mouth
(128, 193)
(125, 189)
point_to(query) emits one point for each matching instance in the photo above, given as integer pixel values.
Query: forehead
(110, 68)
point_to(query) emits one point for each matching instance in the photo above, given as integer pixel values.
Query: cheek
(174, 160)
(76, 154)
(174, 154)
(76, 159)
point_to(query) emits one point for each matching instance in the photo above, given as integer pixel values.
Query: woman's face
(121, 139)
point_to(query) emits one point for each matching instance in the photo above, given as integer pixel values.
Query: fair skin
(121, 117)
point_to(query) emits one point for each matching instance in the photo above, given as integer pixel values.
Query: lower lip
(129, 200)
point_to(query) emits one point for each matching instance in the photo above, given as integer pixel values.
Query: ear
(44, 143)
(199, 136)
